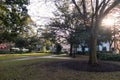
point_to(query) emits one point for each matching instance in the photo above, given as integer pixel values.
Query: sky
(40, 11)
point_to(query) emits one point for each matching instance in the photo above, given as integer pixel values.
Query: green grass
(50, 69)
(18, 70)
(14, 56)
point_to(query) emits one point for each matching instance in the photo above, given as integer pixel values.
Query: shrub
(58, 48)
(108, 56)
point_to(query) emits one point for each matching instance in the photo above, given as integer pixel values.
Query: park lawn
(55, 69)
(15, 56)
(20, 70)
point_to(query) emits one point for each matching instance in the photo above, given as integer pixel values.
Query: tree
(58, 48)
(21, 42)
(63, 22)
(98, 9)
(13, 16)
(46, 37)
(31, 43)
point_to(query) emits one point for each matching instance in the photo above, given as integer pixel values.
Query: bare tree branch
(115, 3)
(74, 2)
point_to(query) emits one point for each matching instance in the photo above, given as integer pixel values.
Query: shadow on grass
(84, 66)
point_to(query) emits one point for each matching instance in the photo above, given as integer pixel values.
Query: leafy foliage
(58, 48)
(21, 43)
(13, 16)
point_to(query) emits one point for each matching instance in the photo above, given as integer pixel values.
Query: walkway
(36, 57)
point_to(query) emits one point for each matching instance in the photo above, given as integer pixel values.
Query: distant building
(4, 46)
(104, 46)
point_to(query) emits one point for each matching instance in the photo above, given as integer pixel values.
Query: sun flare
(108, 22)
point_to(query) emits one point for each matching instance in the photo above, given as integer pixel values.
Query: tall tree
(98, 9)
(13, 17)
(64, 22)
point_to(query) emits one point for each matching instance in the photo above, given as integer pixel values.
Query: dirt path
(35, 57)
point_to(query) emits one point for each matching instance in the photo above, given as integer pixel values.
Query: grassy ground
(14, 56)
(55, 69)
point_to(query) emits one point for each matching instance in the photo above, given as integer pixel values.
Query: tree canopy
(98, 9)
(13, 17)
(89, 14)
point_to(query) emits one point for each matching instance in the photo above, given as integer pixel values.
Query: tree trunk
(74, 50)
(71, 48)
(93, 43)
(92, 55)
(83, 50)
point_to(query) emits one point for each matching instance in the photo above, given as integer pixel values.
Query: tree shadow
(84, 66)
